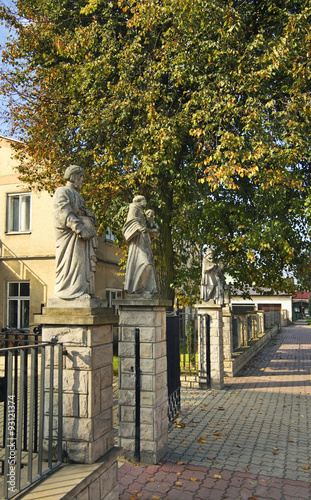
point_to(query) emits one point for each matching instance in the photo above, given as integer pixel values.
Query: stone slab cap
(140, 301)
(86, 301)
(208, 305)
(89, 311)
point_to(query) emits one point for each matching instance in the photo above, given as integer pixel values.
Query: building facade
(300, 305)
(27, 250)
(280, 302)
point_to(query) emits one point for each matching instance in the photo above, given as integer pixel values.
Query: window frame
(109, 237)
(109, 296)
(18, 299)
(10, 213)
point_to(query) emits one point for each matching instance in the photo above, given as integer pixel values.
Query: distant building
(300, 305)
(279, 302)
(27, 249)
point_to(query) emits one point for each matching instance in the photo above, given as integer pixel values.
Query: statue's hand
(85, 234)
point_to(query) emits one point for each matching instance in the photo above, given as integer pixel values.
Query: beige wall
(31, 256)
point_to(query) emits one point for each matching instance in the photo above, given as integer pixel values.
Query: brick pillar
(86, 333)
(143, 431)
(216, 342)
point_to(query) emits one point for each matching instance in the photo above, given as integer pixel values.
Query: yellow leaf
(180, 463)
(150, 479)
(217, 476)
(305, 467)
(192, 479)
(178, 483)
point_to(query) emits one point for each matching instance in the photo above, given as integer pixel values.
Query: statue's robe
(75, 256)
(140, 276)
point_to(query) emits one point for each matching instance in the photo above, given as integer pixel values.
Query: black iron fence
(173, 365)
(204, 368)
(189, 342)
(27, 400)
(194, 344)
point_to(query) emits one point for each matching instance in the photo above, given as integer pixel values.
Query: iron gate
(173, 366)
(194, 335)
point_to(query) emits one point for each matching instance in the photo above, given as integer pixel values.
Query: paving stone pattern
(251, 440)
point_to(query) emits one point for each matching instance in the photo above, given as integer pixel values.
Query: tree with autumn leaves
(202, 107)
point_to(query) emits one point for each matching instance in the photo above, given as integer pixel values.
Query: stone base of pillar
(145, 438)
(86, 334)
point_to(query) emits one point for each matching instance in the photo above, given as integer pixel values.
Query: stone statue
(153, 227)
(76, 240)
(213, 283)
(140, 276)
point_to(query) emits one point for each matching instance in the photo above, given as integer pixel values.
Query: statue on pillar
(76, 239)
(213, 283)
(138, 231)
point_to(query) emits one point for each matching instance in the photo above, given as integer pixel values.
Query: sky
(4, 32)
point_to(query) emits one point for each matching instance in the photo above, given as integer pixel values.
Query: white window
(112, 295)
(18, 304)
(109, 235)
(18, 213)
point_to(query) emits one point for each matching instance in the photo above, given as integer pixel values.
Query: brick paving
(250, 440)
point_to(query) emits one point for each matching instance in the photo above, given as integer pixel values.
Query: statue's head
(140, 200)
(209, 254)
(75, 174)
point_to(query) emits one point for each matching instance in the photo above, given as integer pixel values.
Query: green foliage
(204, 108)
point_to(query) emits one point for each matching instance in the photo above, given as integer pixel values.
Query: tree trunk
(163, 252)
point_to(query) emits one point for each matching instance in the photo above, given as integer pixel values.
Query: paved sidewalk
(251, 440)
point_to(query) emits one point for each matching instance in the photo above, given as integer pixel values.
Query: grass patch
(188, 364)
(186, 367)
(115, 365)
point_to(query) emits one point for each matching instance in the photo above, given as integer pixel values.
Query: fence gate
(173, 366)
(194, 337)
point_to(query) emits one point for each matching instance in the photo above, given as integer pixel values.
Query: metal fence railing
(30, 388)
(173, 366)
(189, 341)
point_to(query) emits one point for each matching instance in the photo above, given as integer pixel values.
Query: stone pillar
(216, 342)
(143, 430)
(260, 322)
(227, 339)
(85, 329)
(243, 319)
(227, 332)
(254, 325)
